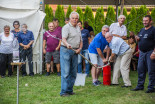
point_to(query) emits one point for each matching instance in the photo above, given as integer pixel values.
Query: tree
(99, 20)
(79, 10)
(153, 16)
(110, 17)
(88, 16)
(59, 15)
(63, 13)
(131, 19)
(49, 15)
(69, 10)
(141, 12)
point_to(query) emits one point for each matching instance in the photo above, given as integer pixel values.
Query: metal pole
(17, 83)
(117, 4)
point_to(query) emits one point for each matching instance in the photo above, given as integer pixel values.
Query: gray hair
(24, 25)
(110, 34)
(121, 16)
(105, 26)
(74, 13)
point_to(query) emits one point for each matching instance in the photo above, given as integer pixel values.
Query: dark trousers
(4, 60)
(144, 64)
(23, 54)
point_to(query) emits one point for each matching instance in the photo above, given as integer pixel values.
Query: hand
(57, 49)
(27, 46)
(24, 47)
(111, 59)
(105, 60)
(44, 51)
(152, 56)
(78, 51)
(137, 38)
(69, 46)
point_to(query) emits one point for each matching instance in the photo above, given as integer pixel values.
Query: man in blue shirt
(26, 40)
(146, 61)
(124, 54)
(86, 40)
(97, 58)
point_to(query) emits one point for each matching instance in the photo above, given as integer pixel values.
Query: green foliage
(79, 10)
(63, 13)
(60, 16)
(69, 10)
(99, 20)
(141, 12)
(131, 19)
(153, 16)
(110, 17)
(49, 15)
(88, 16)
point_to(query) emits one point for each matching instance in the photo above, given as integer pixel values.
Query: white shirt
(115, 28)
(118, 46)
(6, 46)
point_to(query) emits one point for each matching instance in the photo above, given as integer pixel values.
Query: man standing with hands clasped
(71, 39)
(146, 60)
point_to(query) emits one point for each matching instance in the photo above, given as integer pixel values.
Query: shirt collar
(119, 25)
(72, 25)
(23, 32)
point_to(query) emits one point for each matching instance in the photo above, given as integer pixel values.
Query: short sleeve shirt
(147, 39)
(115, 28)
(89, 28)
(85, 35)
(72, 35)
(118, 46)
(52, 42)
(98, 42)
(6, 46)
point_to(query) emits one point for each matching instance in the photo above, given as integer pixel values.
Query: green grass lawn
(45, 90)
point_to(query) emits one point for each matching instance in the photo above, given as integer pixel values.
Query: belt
(66, 47)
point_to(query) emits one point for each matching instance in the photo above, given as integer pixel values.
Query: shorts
(56, 57)
(96, 59)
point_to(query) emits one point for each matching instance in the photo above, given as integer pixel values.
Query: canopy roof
(99, 2)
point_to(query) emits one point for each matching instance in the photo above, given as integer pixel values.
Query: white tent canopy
(25, 11)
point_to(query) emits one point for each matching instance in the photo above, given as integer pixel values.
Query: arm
(101, 55)
(44, 44)
(79, 49)
(58, 47)
(112, 57)
(89, 40)
(153, 55)
(124, 37)
(108, 53)
(65, 43)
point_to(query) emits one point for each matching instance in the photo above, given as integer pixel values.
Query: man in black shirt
(146, 43)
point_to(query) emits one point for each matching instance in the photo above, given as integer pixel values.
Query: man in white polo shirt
(118, 29)
(123, 51)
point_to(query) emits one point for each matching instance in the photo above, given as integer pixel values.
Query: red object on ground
(107, 75)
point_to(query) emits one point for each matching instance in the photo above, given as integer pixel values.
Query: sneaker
(99, 82)
(58, 74)
(47, 74)
(150, 91)
(137, 89)
(95, 83)
(65, 95)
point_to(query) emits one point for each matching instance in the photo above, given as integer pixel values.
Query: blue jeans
(69, 64)
(144, 64)
(85, 53)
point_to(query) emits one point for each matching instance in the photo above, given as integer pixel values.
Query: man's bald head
(108, 37)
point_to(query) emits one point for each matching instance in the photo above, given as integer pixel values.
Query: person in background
(86, 41)
(118, 29)
(71, 39)
(124, 54)
(90, 29)
(26, 40)
(58, 30)
(96, 55)
(146, 44)
(6, 51)
(66, 20)
(53, 46)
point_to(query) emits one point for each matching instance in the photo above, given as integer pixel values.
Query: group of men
(109, 38)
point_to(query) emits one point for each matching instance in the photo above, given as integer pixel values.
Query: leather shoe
(65, 95)
(72, 93)
(125, 86)
(150, 91)
(136, 89)
(114, 84)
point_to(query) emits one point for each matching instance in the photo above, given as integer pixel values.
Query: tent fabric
(25, 11)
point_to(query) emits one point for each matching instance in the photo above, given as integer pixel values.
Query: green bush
(110, 17)
(60, 16)
(69, 10)
(79, 10)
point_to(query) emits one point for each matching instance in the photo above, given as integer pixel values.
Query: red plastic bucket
(107, 75)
